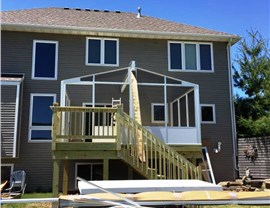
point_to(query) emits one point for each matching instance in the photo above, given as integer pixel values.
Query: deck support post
(106, 169)
(130, 173)
(65, 177)
(55, 185)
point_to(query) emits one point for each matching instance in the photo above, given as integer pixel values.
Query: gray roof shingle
(87, 19)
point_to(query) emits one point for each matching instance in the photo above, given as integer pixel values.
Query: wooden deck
(108, 133)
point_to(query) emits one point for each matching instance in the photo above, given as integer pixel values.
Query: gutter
(234, 134)
(116, 32)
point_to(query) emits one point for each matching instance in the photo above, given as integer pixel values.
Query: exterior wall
(35, 158)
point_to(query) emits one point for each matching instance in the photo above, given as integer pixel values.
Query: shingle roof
(96, 19)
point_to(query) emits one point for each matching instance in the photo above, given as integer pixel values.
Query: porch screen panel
(175, 114)
(183, 111)
(191, 109)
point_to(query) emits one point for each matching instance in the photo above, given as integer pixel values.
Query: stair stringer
(161, 161)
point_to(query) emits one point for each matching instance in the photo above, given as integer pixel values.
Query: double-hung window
(40, 121)
(45, 60)
(189, 56)
(102, 51)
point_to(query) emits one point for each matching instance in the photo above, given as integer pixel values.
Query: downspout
(234, 137)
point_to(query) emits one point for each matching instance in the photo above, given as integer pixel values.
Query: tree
(253, 78)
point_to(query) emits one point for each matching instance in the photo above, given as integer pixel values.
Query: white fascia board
(118, 32)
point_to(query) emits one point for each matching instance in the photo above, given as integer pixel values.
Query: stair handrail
(174, 165)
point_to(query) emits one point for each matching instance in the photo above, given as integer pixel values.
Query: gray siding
(35, 158)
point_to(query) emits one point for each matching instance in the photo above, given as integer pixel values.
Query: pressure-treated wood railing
(160, 162)
(112, 125)
(83, 124)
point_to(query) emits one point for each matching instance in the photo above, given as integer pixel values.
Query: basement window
(6, 171)
(101, 51)
(88, 171)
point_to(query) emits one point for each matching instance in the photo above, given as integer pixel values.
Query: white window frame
(214, 113)
(32, 95)
(34, 59)
(11, 165)
(102, 52)
(198, 61)
(152, 113)
(83, 163)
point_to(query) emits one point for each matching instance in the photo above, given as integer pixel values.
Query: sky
(231, 16)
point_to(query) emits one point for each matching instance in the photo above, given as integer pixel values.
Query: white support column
(63, 93)
(94, 92)
(16, 119)
(197, 113)
(165, 109)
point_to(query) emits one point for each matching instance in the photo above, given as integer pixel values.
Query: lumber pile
(245, 184)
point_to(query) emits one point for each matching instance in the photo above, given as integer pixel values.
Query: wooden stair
(147, 154)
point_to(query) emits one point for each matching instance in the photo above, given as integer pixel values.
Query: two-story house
(172, 81)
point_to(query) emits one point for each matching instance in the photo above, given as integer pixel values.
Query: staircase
(160, 160)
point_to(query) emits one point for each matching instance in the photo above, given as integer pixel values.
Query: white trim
(214, 113)
(183, 57)
(16, 120)
(234, 133)
(118, 32)
(102, 51)
(32, 95)
(11, 165)
(34, 58)
(83, 163)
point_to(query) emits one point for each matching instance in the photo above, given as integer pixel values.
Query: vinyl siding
(148, 54)
(8, 119)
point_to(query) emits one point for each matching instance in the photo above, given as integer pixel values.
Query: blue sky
(232, 16)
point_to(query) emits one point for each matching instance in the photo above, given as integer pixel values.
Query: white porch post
(63, 94)
(165, 109)
(197, 113)
(94, 92)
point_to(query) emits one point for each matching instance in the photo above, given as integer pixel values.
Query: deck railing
(83, 124)
(135, 144)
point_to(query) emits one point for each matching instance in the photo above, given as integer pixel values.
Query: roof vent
(66, 8)
(78, 9)
(117, 12)
(106, 11)
(96, 10)
(139, 15)
(88, 10)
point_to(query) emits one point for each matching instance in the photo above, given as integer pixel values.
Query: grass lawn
(31, 205)
(49, 195)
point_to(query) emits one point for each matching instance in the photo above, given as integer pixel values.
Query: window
(45, 60)
(100, 51)
(158, 113)
(41, 117)
(6, 171)
(88, 171)
(208, 113)
(187, 56)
